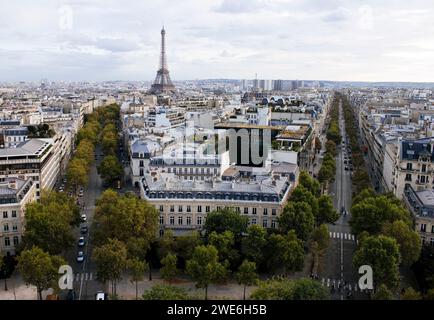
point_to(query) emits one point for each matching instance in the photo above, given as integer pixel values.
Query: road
(85, 283)
(338, 267)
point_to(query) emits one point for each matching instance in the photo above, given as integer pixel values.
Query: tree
(383, 293)
(50, 222)
(40, 269)
(411, 294)
(226, 219)
(204, 267)
(110, 169)
(364, 194)
(85, 150)
(300, 289)
(169, 270)
(326, 212)
(127, 218)
(325, 173)
(109, 142)
(297, 216)
(301, 194)
(253, 243)
(370, 214)
(224, 243)
(77, 172)
(292, 253)
(165, 292)
(111, 261)
(429, 295)
(137, 269)
(166, 244)
(382, 254)
(247, 275)
(408, 240)
(185, 245)
(310, 184)
(321, 236)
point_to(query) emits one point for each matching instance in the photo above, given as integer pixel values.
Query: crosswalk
(342, 235)
(334, 283)
(88, 276)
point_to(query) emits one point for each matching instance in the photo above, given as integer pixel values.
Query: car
(81, 242)
(80, 194)
(80, 256)
(346, 168)
(83, 218)
(100, 295)
(84, 230)
(345, 161)
(64, 180)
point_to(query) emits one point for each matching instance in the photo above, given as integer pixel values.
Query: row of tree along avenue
(327, 171)
(49, 222)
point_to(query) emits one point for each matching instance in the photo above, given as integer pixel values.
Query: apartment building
(15, 193)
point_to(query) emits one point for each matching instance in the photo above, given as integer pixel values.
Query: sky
(341, 40)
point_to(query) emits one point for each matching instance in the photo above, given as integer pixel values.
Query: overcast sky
(381, 40)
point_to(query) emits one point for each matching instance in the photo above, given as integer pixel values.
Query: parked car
(83, 218)
(81, 242)
(346, 168)
(80, 256)
(84, 230)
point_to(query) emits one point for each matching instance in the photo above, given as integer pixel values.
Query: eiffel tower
(162, 83)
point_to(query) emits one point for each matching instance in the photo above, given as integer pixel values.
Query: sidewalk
(18, 290)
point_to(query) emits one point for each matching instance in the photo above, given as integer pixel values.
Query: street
(338, 269)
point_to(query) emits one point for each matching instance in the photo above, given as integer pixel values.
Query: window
(161, 232)
(188, 221)
(237, 209)
(409, 166)
(408, 177)
(199, 221)
(219, 208)
(161, 220)
(273, 223)
(265, 212)
(16, 240)
(161, 208)
(172, 221)
(14, 213)
(424, 168)
(423, 227)
(6, 227)
(273, 212)
(141, 172)
(199, 208)
(179, 208)
(141, 163)
(254, 210)
(172, 208)
(5, 214)
(207, 209)
(14, 227)
(188, 208)
(7, 242)
(180, 221)
(246, 210)
(254, 221)
(265, 223)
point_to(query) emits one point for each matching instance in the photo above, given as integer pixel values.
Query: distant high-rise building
(162, 83)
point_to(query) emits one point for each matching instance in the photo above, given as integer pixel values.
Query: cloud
(305, 39)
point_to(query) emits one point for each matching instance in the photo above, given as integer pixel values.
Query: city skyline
(337, 40)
